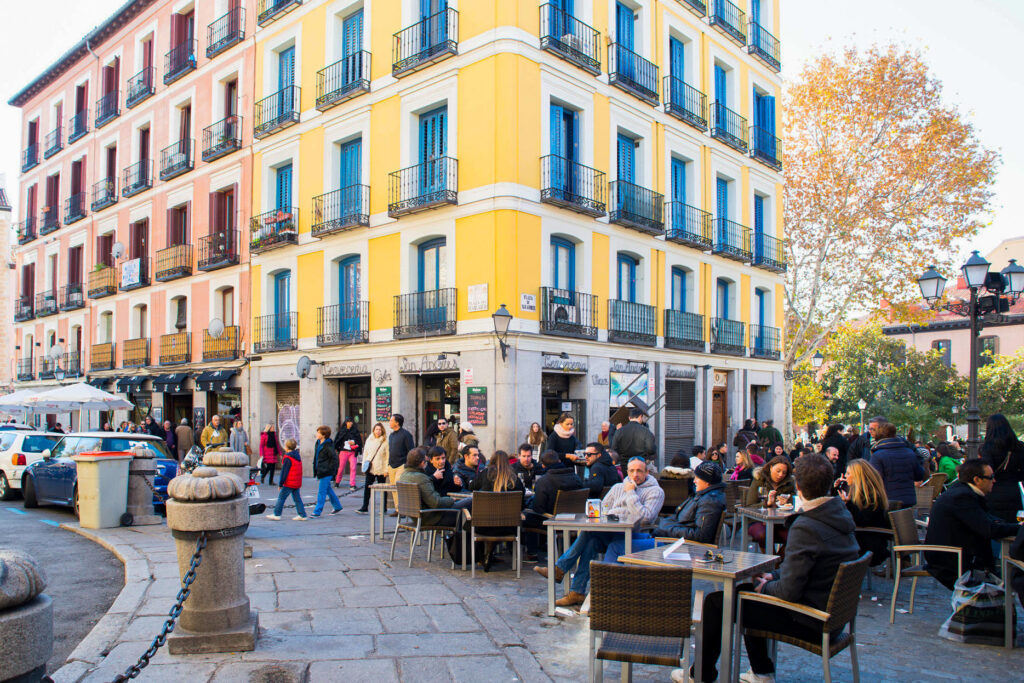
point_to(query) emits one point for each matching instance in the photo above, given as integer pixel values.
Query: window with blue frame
(352, 47)
(565, 144)
(563, 264)
(283, 189)
(350, 177)
(432, 264)
(760, 304)
(758, 226)
(285, 81)
(433, 146)
(626, 166)
(764, 121)
(434, 25)
(722, 198)
(678, 186)
(677, 70)
(723, 289)
(626, 268)
(625, 37)
(560, 14)
(282, 305)
(678, 298)
(348, 294)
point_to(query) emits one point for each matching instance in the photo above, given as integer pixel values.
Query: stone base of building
(239, 639)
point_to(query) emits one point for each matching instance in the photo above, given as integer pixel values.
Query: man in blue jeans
(325, 466)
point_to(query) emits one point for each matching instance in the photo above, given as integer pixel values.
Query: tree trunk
(787, 403)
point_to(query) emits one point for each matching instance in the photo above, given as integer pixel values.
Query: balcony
(49, 220)
(23, 309)
(134, 273)
(104, 194)
(729, 127)
(108, 108)
(78, 125)
(569, 38)
(222, 138)
(140, 86)
(275, 332)
(175, 348)
(179, 61)
(727, 337)
(135, 353)
(636, 207)
(47, 367)
(696, 6)
(632, 323)
(218, 250)
(273, 229)
(177, 159)
(423, 186)
(427, 41)
(277, 112)
(74, 208)
(630, 72)
(27, 230)
(24, 371)
(732, 240)
(71, 297)
(343, 80)
(53, 142)
(101, 356)
(46, 303)
(684, 331)
(224, 347)
(768, 253)
(72, 363)
(137, 178)
(225, 31)
(270, 10)
(173, 262)
(345, 323)
(102, 281)
(765, 147)
(425, 314)
(764, 342)
(341, 210)
(686, 103)
(689, 226)
(30, 158)
(572, 186)
(729, 19)
(566, 313)
(764, 46)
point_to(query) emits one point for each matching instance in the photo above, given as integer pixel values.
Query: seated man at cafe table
(602, 470)
(636, 500)
(557, 477)
(442, 474)
(415, 462)
(821, 537)
(468, 466)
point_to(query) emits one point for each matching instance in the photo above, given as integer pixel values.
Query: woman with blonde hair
(744, 470)
(864, 495)
(536, 438)
(375, 463)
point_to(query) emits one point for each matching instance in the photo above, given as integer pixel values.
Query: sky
(972, 47)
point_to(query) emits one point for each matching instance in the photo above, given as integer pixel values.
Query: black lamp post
(1002, 289)
(816, 361)
(502, 319)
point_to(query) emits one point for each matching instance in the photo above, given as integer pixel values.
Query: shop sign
(566, 406)
(476, 406)
(528, 303)
(381, 375)
(427, 364)
(628, 366)
(564, 364)
(599, 381)
(477, 298)
(383, 404)
(676, 372)
(467, 375)
(721, 379)
(344, 369)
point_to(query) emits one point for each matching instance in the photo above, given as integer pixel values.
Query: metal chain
(161, 498)
(134, 670)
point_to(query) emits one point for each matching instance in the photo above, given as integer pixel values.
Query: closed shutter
(286, 69)
(352, 34)
(768, 114)
(284, 188)
(557, 140)
(626, 153)
(755, 11)
(676, 59)
(680, 417)
(433, 134)
(722, 197)
(678, 180)
(624, 26)
(287, 400)
(351, 160)
(721, 95)
(758, 214)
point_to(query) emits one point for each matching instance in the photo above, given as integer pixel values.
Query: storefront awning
(173, 383)
(99, 382)
(130, 384)
(214, 380)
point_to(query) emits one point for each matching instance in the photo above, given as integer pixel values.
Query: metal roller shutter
(680, 416)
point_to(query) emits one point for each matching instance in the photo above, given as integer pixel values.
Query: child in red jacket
(291, 482)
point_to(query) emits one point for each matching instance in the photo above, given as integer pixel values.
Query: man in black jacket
(524, 466)
(400, 442)
(861, 446)
(603, 471)
(325, 466)
(440, 472)
(960, 518)
(468, 466)
(557, 477)
(697, 518)
(634, 438)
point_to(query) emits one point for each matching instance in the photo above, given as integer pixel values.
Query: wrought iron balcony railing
(632, 323)
(140, 86)
(23, 309)
(177, 159)
(729, 127)
(566, 313)
(764, 342)
(764, 46)
(53, 142)
(727, 336)
(27, 230)
(134, 273)
(630, 72)
(275, 332)
(135, 353)
(277, 112)
(180, 60)
(222, 138)
(30, 157)
(225, 31)
(108, 108)
(424, 186)
(729, 19)
(768, 253)
(685, 103)
(429, 40)
(46, 303)
(78, 125)
(270, 10)
(698, 7)
(224, 347)
(688, 225)
(572, 186)
(343, 80)
(684, 330)
(175, 348)
(564, 35)
(173, 262)
(218, 250)
(137, 178)
(345, 323)
(71, 297)
(273, 229)
(24, 370)
(636, 207)
(47, 367)
(104, 194)
(49, 220)
(74, 208)
(765, 147)
(341, 210)
(101, 356)
(72, 364)
(425, 314)
(102, 281)
(732, 240)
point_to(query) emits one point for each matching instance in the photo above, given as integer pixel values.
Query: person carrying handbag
(270, 451)
(375, 464)
(348, 444)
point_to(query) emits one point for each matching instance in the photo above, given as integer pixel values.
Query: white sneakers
(273, 517)
(749, 676)
(297, 518)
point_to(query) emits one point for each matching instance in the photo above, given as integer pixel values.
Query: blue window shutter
(282, 284)
(678, 289)
(572, 120)
(723, 299)
(433, 133)
(627, 278)
(624, 26)
(351, 162)
(678, 180)
(430, 7)
(352, 34)
(755, 11)
(286, 69)
(430, 268)
(760, 307)
(721, 93)
(722, 197)
(768, 115)
(626, 154)
(758, 214)
(677, 59)
(284, 188)
(563, 276)
(557, 143)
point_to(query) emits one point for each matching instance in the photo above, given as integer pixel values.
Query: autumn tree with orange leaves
(883, 178)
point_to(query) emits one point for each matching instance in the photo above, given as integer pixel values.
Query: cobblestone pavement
(332, 607)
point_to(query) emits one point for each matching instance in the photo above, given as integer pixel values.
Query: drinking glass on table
(1020, 516)
(762, 495)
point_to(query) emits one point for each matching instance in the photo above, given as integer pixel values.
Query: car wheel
(75, 501)
(5, 488)
(28, 492)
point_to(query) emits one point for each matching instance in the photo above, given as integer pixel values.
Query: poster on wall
(619, 381)
(131, 273)
(383, 404)
(476, 403)
(198, 418)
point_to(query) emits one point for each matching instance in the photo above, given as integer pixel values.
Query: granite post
(26, 618)
(141, 471)
(234, 463)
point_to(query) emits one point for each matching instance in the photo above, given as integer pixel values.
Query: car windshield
(37, 443)
(159, 448)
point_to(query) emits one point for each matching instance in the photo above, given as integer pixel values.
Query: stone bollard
(230, 462)
(216, 617)
(26, 618)
(141, 471)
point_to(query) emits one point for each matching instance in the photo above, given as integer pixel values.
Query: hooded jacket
(429, 497)
(639, 506)
(697, 518)
(602, 473)
(547, 487)
(466, 473)
(325, 459)
(634, 439)
(900, 467)
(446, 484)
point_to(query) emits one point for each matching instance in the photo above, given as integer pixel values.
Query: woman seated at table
(744, 470)
(864, 495)
(499, 477)
(771, 481)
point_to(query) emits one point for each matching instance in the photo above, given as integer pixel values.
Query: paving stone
(267, 565)
(368, 577)
(291, 581)
(405, 619)
(424, 670)
(405, 645)
(348, 621)
(473, 669)
(290, 622)
(296, 648)
(452, 619)
(369, 670)
(308, 599)
(427, 594)
(379, 596)
(262, 672)
(264, 601)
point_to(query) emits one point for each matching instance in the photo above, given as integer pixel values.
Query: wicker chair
(929, 491)
(906, 542)
(677, 491)
(1008, 595)
(566, 502)
(732, 499)
(491, 509)
(649, 626)
(410, 509)
(840, 611)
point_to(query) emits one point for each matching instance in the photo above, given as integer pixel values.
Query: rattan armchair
(410, 509)
(840, 611)
(729, 517)
(492, 510)
(1009, 613)
(566, 502)
(677, 491)
(907, 543)
(642, 615)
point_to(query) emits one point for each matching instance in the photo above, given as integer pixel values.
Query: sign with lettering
(564, 364)
(131, 273)
(676, 372)
(383, 404)
(380, 376)
(628, 366)
(528, 303)
(467, 375)
(476, 406)
(477, 298)
(428, 364)
(599, 381)
(344, 369)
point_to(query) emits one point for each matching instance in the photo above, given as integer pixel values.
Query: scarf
(563, 432)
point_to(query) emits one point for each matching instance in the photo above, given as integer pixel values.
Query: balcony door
(352, 48)
(283, 190)
(626, 166)
(722, 209)
(678, 186)
(560, 14)
(282, 306)
(433, 257)
(348, 295)
(565, 147)
(677, 69)
(433, 25)
(626, 270)
(563, 271)
(678, 289)
(350, 176)
(433, 146)
(625, 38)
(721, 96)
(285, 81)
(760, 297)
(758, 228)
(722, 289)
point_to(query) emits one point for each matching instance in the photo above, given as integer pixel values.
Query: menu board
(476, 400)
(383, 404)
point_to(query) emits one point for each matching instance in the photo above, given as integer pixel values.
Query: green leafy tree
(809, 402)
(1001, 388)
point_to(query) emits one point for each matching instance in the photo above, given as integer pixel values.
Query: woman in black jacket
(348, 435)
(834, 437)
(562, 439)
(1005, 453)
(865, 498)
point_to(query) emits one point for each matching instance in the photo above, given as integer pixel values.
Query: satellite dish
(56, 351)
(118, 250)
(216, 328)
(304, 366)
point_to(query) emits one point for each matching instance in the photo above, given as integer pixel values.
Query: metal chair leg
(853, 655)
(590, 661)
(824, 658)
(627, 672)
(913, 589)
(472, 553)
(394, 539)
(519, 555)
(430, 544)
(414, 541)
(895, 593)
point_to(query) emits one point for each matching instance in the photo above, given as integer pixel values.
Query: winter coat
(1008, 468)
(697, 518)
(900, 467)
(602, 473)
(376, 451)
(429, 497)
(291, 471)
(348, 434)
(156, 429)
(563, 445)
(547, 487)
(634, 439)
(744, 438)
(841, 445)
(527, 476)
(788, 486)
(769, 436)
(485, 482)
(742, 474)
(183, 436)
(948, 465)
(325, 459)
(860, 448)
(238, 441)
(639, 506)
(466, 473)
(449, 441)
(269, 447)
(214, 436)
(875, 543)
(446, 484)
(399, 444)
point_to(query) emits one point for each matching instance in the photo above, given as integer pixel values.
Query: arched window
(626, 269)
(678, 295)
(433, 266)
(563, 264)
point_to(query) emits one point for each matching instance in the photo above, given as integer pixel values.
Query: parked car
(54, 479)
(19, 449)
(16, 426)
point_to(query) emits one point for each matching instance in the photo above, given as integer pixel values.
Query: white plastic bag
(978, 604)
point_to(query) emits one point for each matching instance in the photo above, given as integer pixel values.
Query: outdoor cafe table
(769, 516)
(1008, 593)
(579, 522)
(740, 565)
(377, 508)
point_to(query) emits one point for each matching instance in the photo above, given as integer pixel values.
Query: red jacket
(291, 471)
(269, 453)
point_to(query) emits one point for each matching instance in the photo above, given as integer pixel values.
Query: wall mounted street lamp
(816, 362)
(502, 319)
(1003, 290)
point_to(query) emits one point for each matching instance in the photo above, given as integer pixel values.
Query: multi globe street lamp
(1002, 290)
(816, 361)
